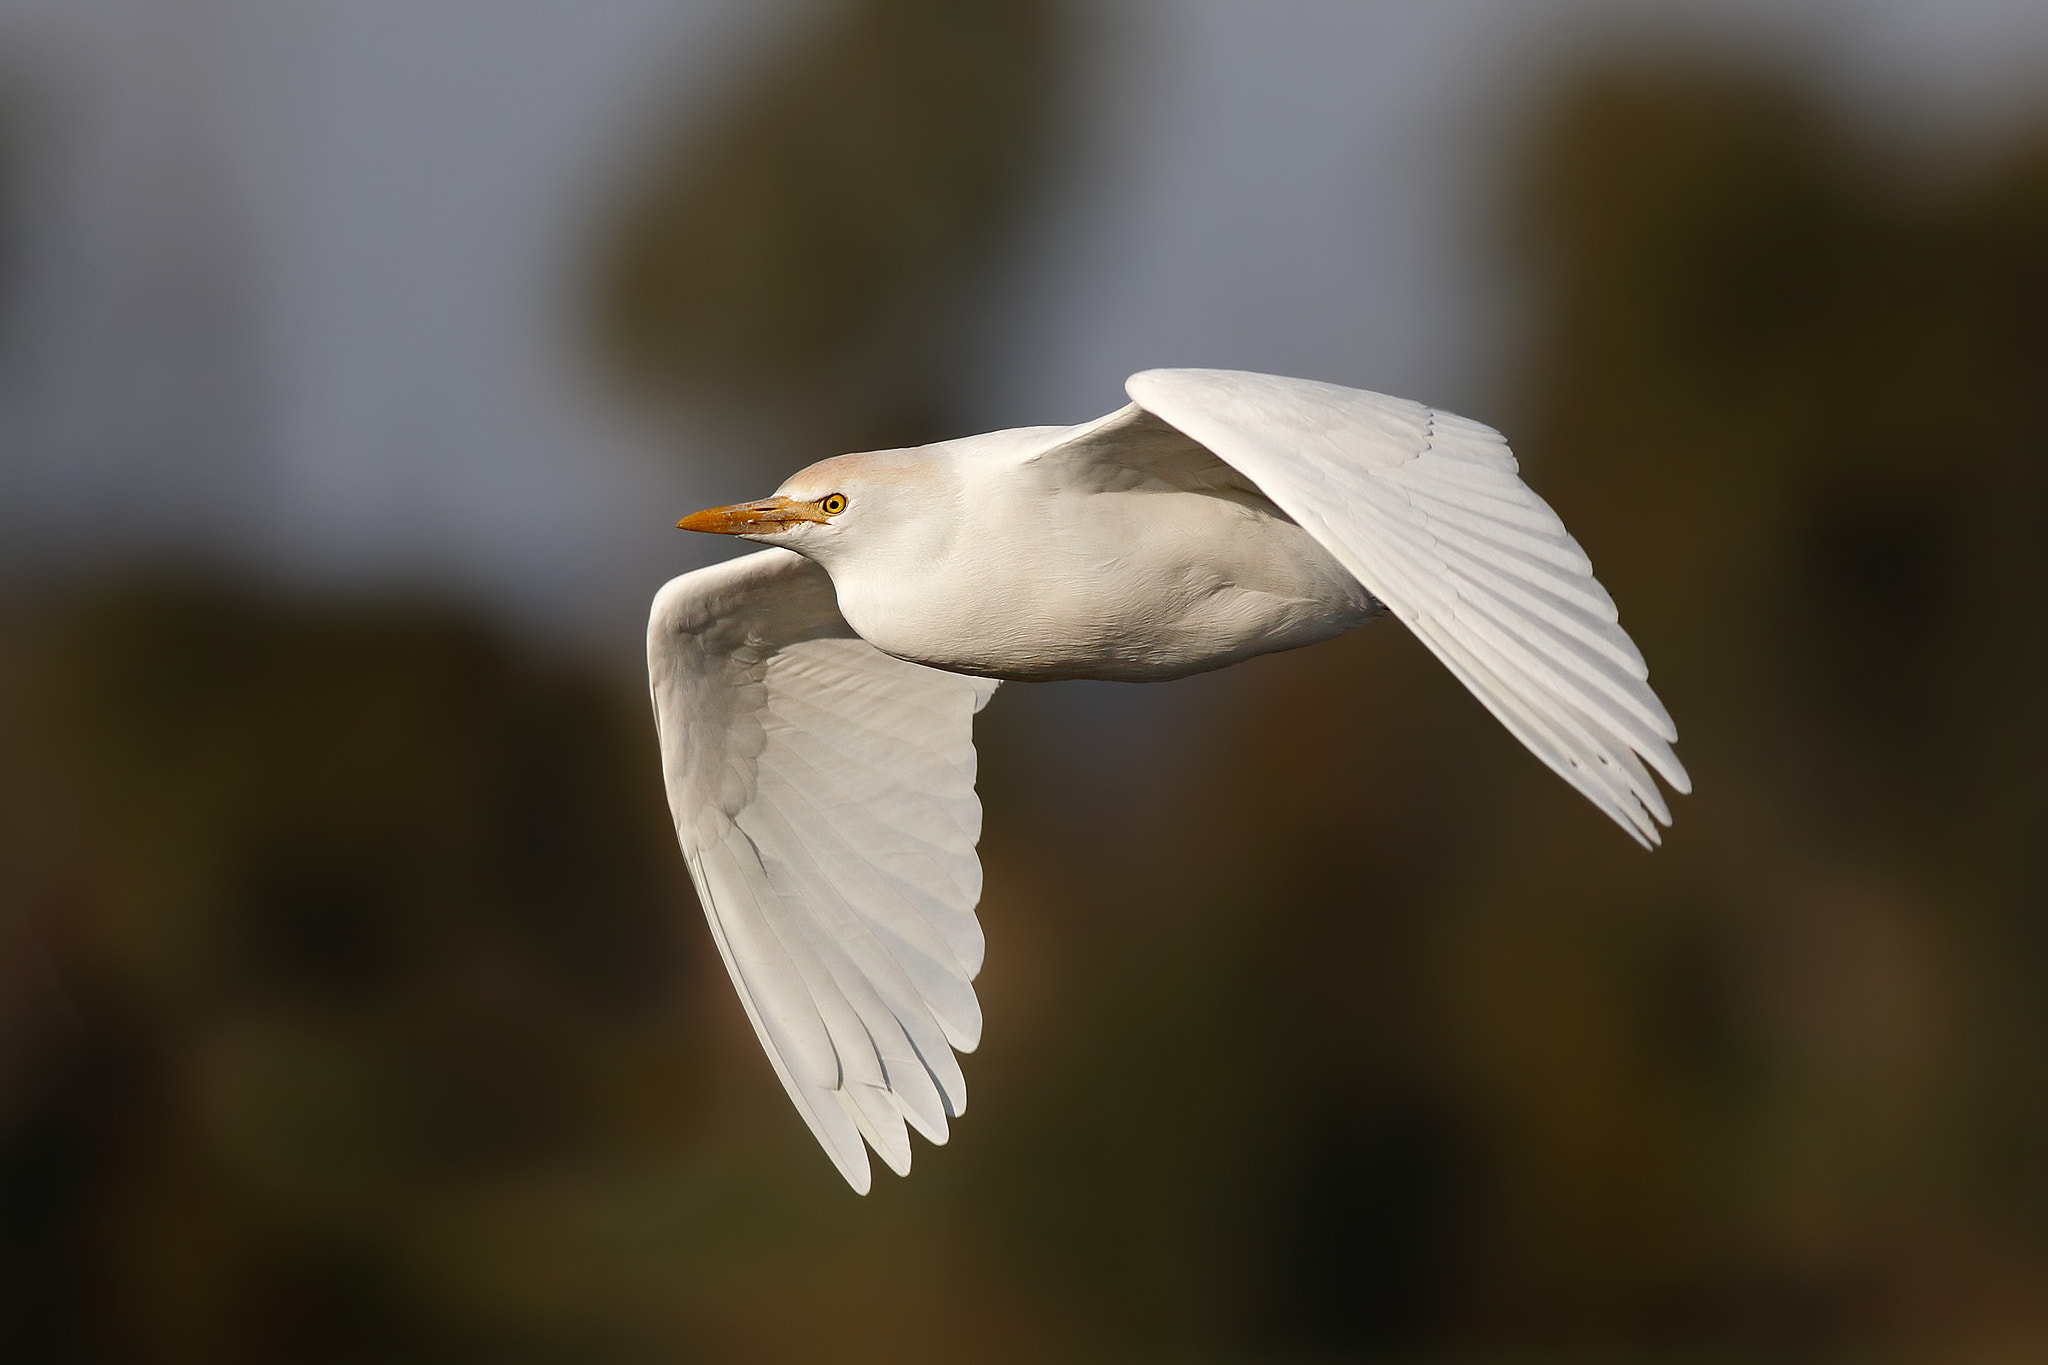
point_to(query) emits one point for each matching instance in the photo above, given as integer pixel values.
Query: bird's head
(872, 499)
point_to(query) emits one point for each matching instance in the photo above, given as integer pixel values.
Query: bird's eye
(833, 504)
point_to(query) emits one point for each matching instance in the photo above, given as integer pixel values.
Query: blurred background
(356, 357)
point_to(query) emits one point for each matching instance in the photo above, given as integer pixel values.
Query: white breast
(1133, 586)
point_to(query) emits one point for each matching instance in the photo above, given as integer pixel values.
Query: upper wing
(823, 793)
(1424, 507)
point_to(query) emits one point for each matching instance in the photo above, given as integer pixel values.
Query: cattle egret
(815, 700)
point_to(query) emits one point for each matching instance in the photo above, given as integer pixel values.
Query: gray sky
(299, 273)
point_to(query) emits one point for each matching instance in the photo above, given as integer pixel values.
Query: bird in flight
(815, 700)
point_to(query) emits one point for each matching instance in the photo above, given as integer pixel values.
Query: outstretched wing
(1426, 510)
(823, 794)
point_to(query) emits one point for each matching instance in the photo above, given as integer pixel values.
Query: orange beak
(752, 518)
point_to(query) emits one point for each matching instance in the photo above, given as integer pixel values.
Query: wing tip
(853, 1167)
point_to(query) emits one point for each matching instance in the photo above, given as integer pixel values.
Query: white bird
(815, 701)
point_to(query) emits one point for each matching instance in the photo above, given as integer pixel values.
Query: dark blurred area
(813, 253)
(354, 1005)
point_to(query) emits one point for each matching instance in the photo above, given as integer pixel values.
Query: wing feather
(1425, 508)
(823, 795)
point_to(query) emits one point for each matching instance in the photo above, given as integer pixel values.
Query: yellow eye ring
(833, 504)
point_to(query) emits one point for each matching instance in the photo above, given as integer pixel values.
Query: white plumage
(815, 702)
